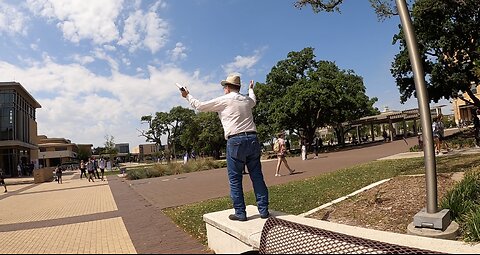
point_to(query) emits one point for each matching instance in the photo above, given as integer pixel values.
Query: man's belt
(242, 133)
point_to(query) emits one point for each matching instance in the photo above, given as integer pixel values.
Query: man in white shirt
(101, 165)
(243, 147)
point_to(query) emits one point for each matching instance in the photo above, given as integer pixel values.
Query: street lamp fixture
(429, 217)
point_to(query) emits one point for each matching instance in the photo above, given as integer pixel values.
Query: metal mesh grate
(281, 236)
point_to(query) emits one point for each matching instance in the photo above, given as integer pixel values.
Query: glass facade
(16, 115)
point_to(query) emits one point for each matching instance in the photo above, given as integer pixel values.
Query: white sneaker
(440, 153)
(278, 175)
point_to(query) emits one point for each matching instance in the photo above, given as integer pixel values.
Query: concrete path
(170, 191)
(119, 216)
(74, 217)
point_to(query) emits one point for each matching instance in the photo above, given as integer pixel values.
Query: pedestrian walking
(243, 147)
(19, 169)
(91, 169)
(83, 169)
(281, 150)
(101, 165)
(95, 166)
(2, 181)
(317, 144)
(476, 127)
(58, 173)
(303, 150)
(438, 130)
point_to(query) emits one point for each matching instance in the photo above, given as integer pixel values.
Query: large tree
(204, 134)
(448, 33)
(170, 124)
(302, 94)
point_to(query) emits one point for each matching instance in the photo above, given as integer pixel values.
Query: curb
(343, 198)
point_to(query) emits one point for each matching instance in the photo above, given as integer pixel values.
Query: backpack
(276, 146)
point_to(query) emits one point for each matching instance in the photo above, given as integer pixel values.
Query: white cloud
(12, 20)
(178, 52)
(82, 59)
(109, 48)
(144, 30)
(82, 106)
(81, 19)
(100, 54)
(243, 63)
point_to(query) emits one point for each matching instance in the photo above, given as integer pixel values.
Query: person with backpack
(58, 173)
(280, 149)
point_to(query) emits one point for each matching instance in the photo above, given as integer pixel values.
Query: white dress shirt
(234, 110)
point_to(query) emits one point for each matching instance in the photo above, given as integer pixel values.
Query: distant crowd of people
(24, 169)
(91, 167)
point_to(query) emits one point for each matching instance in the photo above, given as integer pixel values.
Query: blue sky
(96, 66)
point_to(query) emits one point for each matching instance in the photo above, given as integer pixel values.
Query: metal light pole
(430, 218)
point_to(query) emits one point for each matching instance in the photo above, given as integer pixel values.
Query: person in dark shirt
(476, 126)
(2, 180)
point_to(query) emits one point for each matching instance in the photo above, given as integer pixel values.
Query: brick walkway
(150, 230)
(73, 217)
(119, 216)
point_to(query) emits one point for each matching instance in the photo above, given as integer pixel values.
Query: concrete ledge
(450, 233)
(226, 236)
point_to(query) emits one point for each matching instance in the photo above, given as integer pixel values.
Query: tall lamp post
(431, 217)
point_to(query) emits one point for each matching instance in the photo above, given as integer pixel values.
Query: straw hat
(232, 79)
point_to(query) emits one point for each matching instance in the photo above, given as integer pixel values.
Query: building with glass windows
(56, 151)
(18, 128)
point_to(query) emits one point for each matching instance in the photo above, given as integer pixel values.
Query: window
(60, 148)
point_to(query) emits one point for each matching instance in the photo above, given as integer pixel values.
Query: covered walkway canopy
(391, 117)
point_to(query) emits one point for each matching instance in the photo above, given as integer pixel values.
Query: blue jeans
(245, 150)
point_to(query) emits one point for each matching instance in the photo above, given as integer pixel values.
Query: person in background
(83, 169)
(2, 180)
(91, 169)
(101, 165)
(287, 145)
(282, 149)
(19, 169)
(476, 126)
(317, 144)
(303, 149)
(438, 130)
(58, 172)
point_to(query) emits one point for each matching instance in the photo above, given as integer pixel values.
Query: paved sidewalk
(74, 217)
(120, 216)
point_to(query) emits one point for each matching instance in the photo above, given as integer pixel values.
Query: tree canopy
(302, 94)
(204, 134)
(170, 124)
(383, 8)
(448, 34)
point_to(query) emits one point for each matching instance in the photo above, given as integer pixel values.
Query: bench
(285, 233)
(282, 237)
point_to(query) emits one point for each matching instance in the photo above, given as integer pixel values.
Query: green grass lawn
(301, 196)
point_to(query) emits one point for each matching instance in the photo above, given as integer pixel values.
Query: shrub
(463, 197)
(459, 143)
(471, 228)
(158, 170)
(415, 148)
